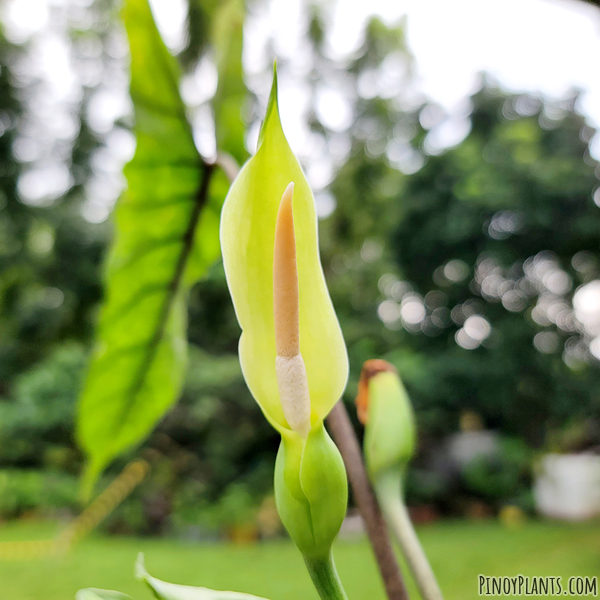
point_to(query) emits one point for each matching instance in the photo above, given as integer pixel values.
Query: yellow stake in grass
(131, 476)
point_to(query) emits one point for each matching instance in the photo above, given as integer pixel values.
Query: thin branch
(345, 437)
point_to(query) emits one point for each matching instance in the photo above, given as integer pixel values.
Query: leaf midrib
(200, 200)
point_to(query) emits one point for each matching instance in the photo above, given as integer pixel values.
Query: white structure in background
(586, 303)
(567, 486)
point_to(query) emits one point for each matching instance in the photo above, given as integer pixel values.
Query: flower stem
(389, 494)
(325, 578)
(345, 437)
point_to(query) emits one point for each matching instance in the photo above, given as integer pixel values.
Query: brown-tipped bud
(370, 369)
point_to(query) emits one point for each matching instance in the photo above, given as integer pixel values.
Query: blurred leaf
(166, 237)
(199, 17)
(95, 594)
(231, 93)
(171, 591)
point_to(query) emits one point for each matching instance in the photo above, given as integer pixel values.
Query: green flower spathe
(247, 240)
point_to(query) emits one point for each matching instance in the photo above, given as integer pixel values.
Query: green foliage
(537, 170)
(214, 403)
(236, 506)
(426, 486)
(36, 422)
(577, 435)
(49, 255)
(139, 361)
(42, 492)
(521, 165)
(505, 475)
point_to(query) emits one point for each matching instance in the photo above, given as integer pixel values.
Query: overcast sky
(540, 46)
(543, 46)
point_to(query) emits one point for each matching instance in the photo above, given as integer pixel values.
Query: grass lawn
(458, 551)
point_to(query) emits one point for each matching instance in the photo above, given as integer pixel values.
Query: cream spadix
(289, 364)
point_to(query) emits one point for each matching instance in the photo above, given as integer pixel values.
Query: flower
(262, 286)
(291, 349)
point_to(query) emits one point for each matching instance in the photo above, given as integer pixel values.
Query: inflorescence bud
(291, 349)
(384, 408)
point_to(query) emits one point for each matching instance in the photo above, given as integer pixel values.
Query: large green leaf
(166, 236)
(171, 591)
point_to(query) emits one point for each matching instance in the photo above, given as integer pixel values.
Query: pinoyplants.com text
(520, 585)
